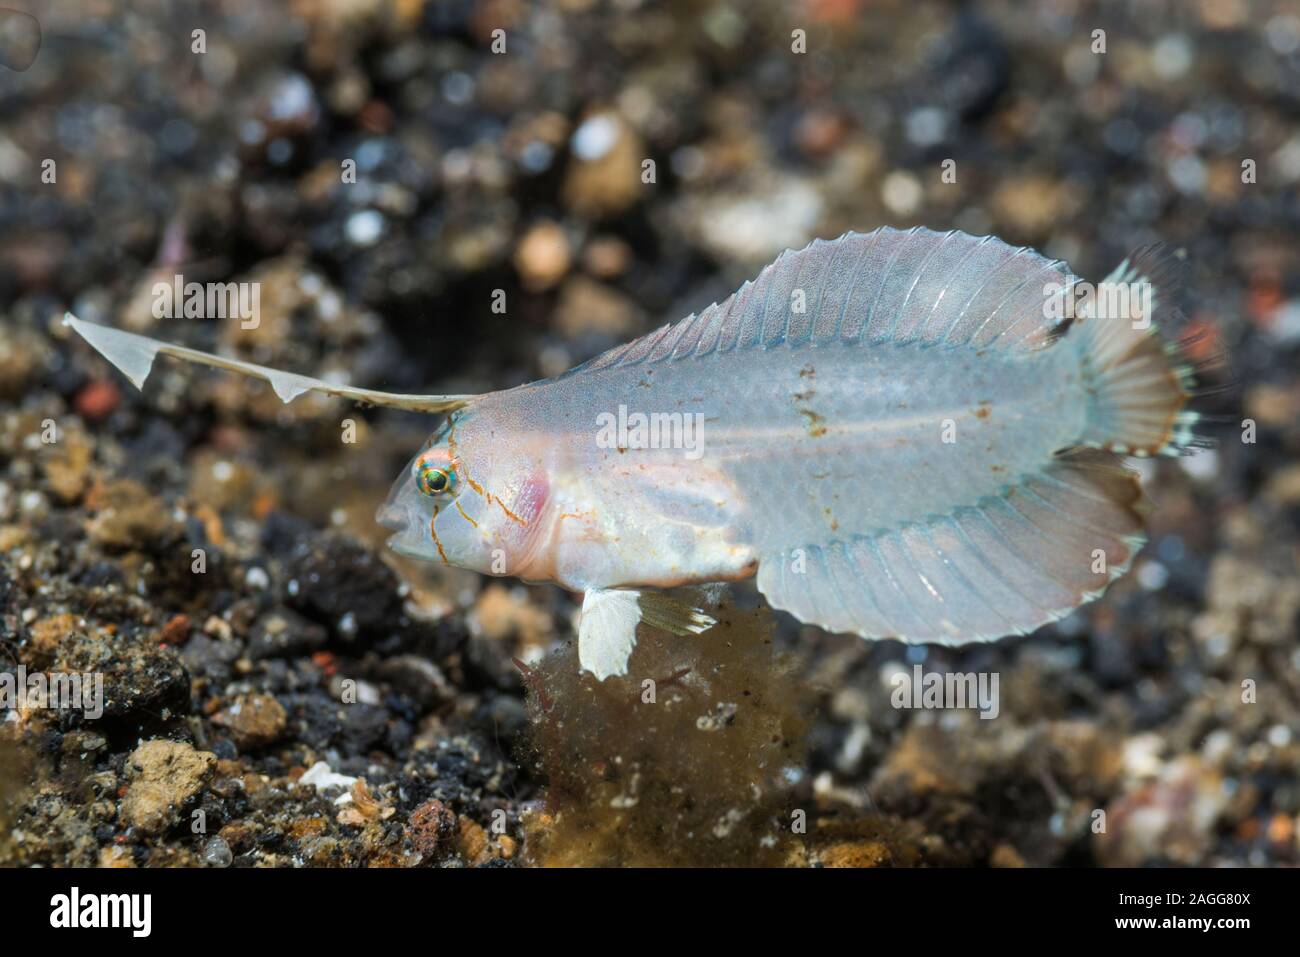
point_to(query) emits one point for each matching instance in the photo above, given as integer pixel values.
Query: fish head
(471, 497)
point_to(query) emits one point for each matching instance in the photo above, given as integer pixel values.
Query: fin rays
(864, 289)
(1014, 562)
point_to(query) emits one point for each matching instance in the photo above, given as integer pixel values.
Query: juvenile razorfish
(902, 434)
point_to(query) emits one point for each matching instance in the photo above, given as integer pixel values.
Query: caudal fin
(1138, 382)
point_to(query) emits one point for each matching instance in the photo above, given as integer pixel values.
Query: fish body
(796, 443)
(896, 432)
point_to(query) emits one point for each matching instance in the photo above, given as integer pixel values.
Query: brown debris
(255, 720)
(165, 776)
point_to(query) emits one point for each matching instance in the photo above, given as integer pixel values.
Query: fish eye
(432, 480)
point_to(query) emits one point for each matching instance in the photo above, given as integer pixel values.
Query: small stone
(753, 227)
(282, 632)
(587, 306)
(471, 841)
(1004, 855)
(607, 257)
(605, 174)
(129, 517)
(324, 779)
(176, 631)
(218, 628)
(115, 857)
(1170, 816)
(255, 720)
(432, 828)
(418, 678)
(820, 132)
(22, 357)
(238, 836)
(347, 626)
(96, 400)
(902, 192)
(1030, 205)
(352, 817)
(67, 467)
(216, 853)
(48, 633)
(165, 775)
(82, 742)
(1284, 487)
(855, 854)
(370, 807)
(543, 256)
(1281, 830)
(501, 613)
(1272, 405)
(365, 227)
(338, 576)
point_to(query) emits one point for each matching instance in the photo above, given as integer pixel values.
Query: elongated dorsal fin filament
(134, 355)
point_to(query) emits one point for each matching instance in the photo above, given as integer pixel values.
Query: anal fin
(1007, 565)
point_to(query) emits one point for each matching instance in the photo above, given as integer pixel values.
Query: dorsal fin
(134, 356)
(888, 285)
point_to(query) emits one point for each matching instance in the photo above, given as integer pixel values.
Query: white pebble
(901, 192)
(216, 853)
(1152, 575)
(365, 227)
(594, 138)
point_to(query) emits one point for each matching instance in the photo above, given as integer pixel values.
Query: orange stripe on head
(456, 502)
(433, 530)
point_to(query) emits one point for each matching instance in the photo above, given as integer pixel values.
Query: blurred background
(389, 170)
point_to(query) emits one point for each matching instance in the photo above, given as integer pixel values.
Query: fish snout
(391, 517)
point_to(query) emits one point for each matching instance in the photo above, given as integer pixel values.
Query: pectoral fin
(607, 629)
(134, 355)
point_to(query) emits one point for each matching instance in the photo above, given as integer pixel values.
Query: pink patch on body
(520, 534)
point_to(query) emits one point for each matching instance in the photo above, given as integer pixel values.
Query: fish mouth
(408, 538)
(399, 545)
(401, 542)
(390, 517)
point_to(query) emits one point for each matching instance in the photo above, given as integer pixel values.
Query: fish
(898, 434)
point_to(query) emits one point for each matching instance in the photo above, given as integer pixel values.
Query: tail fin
(1138, 383)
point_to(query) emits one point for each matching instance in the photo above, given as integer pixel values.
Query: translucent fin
(607, 628)
(667, 614)
(885, 286)
(1139, 383)
(134, 356)
(1012, 563)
